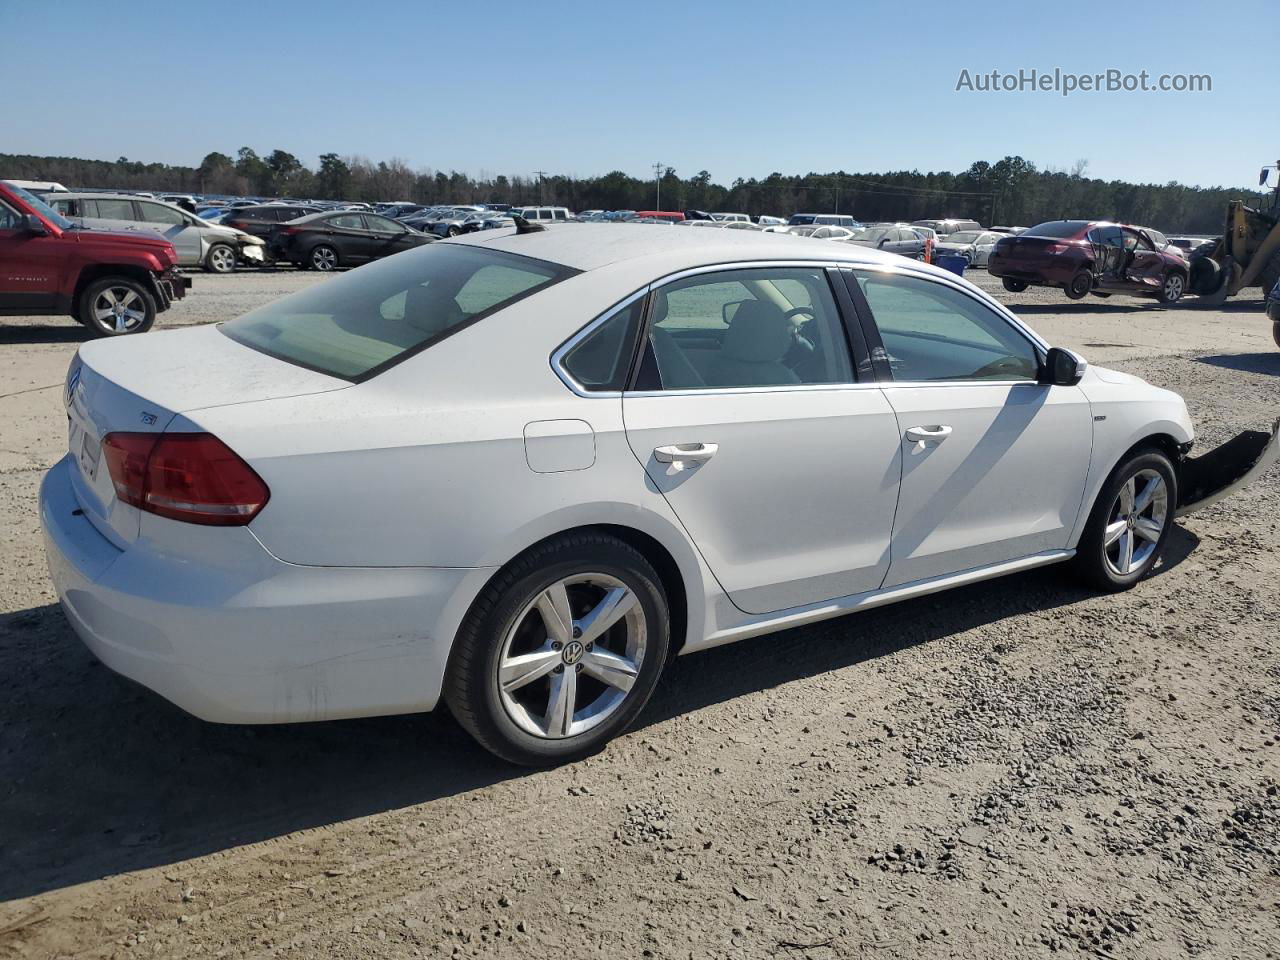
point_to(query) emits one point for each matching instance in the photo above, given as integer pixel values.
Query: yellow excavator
(1246, 255)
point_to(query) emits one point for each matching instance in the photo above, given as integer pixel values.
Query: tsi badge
(148, 418)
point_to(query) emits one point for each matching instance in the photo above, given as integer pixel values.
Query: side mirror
(883, 241)
(34, 225)
(728, 310)
(1062, 368)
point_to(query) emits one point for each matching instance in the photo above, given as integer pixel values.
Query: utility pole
(657, 181)
(541, 197)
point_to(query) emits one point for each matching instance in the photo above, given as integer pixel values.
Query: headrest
(759, 333)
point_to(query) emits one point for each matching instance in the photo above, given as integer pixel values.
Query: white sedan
(520, 469)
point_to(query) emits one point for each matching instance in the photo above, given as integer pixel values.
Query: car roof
(589, 246)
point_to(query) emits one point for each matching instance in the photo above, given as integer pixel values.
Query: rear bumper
(274, 643)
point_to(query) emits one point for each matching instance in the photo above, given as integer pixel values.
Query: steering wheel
(801, 346)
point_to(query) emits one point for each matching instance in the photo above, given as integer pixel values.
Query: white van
(542, 213)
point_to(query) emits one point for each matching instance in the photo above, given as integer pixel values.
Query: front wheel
(324, 258)
(1014, 286)
(1172, 288)
(561, 651)
(220, 259)
(1130, 522)
(116, 306)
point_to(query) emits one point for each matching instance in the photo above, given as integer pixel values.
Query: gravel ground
(1015, 769)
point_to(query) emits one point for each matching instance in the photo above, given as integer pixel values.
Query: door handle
(934, 434)
(692, 452)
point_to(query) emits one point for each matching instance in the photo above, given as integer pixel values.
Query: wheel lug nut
(578, 668)
(577, 632)
(590, 647)
(556, 645)
(559, 668)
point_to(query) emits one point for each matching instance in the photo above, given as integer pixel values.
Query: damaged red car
(1089, 256)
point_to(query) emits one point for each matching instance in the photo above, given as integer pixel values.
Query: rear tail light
(290, 231)
(193, 477)
(1057, 248)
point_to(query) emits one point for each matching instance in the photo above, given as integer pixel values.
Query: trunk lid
(139, 384)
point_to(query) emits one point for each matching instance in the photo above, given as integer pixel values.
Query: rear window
(1059, 229)
(359, 324)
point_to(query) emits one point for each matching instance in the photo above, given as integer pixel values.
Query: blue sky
(737, 88)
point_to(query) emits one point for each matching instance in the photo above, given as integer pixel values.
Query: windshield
(873, 234)
(1058, 229)
(357, 325)
(46, 211)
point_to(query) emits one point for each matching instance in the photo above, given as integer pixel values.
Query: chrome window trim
(907, 267)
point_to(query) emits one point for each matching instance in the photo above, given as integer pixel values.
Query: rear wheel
(1014, 286)
(454, 231)
(220, 259)
(1173, 287)
(116, 306)
(323, 257)
(1130, 522)
(1080, 285)
(1270, 275)
(561, 651)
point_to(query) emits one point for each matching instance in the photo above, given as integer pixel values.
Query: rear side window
(349, 221)
(359, 324)
(154, 213)
(602, 359)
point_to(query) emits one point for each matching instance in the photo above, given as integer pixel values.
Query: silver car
(199, 243)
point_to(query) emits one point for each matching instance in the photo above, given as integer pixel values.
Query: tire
(1014, 286)
(221, 258)
(323, 258)
(1172, 287)
(1079, 286)
(1103, 565)
(454, 231)
(1270, 274)
(116, 307)
(506, 624)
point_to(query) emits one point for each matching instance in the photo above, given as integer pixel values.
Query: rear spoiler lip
(1269, 454)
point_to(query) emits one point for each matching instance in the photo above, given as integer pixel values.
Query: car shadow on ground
(1246, 362)
(102, 777)
(70, 332)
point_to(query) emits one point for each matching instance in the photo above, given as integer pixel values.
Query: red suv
(113, 283)
(1089, 256)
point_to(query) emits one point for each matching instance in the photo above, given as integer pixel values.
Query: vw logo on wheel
(572, 652)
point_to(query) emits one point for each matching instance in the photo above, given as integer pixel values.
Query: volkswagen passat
(519, 470)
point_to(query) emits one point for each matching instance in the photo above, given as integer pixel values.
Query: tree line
(1011, 191)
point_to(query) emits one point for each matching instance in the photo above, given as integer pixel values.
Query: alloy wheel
(1173, 287)
(571, 656)
(324, 258)
(1136, 522)
(119, 308)
(222, 259)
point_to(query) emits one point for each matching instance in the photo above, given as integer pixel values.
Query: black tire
(1091, 561)
(138, 307)
(471, 681)
(454, 231)
(1079, 286)
(1270, 274)
(221, 258)
(1014, 286)
(323, 257)
(1172, 287)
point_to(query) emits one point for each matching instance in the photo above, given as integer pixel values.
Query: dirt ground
(1013, 769)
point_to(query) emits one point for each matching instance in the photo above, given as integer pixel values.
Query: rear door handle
(688, 452)
(934, 434)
